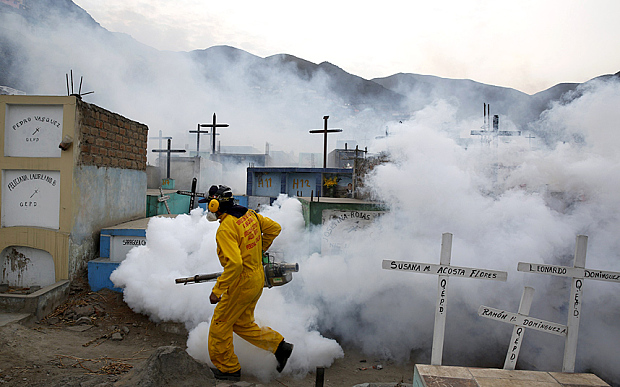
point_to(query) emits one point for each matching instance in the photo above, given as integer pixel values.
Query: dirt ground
(94, 339)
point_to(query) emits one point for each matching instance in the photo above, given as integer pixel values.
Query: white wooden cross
(443, 270)
(521, 320)
(578, 273)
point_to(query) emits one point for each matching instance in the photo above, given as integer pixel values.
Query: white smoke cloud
(530, 211)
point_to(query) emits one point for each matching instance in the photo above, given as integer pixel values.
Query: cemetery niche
(68, 169)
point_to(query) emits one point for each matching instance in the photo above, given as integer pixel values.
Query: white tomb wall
(34, 170)
(57, 201)
(104, 197)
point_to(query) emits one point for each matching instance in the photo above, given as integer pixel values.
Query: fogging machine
(276, 273)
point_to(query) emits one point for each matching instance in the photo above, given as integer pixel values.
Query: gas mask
(211, 216)
(220, 198)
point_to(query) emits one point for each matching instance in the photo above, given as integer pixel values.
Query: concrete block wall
(110, 140)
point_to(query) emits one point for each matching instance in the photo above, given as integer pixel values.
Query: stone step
(8, 318)
(449, 376)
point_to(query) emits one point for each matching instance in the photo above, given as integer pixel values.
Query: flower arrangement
(329, 183)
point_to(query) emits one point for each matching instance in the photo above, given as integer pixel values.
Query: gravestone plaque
(338, 226)
(33, 130)
(121, 244)
(30, 198)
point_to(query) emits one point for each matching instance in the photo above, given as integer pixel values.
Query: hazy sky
(528, 45)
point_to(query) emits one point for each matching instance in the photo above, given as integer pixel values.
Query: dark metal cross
(213, 133)
(168, 151)
(325, 131)
(199, 132)
(192, 194)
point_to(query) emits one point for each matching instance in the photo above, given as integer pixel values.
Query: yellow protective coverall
(239, 248)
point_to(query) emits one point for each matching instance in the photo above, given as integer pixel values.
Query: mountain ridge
(395, 97)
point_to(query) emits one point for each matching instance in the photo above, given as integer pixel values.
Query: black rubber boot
(232, 376)
(282, 354)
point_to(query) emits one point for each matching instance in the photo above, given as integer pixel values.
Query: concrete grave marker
(30, 198)
(578, 273)
(33, 130)
(444, 270)
(338, 226)
(521, 320)
(60, 184)
(121, 244)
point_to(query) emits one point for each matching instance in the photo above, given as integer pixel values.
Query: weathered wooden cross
(164, 198)
(192, 194)
(520, 320)
(325, 131)
(168, 151)
(213, 133)
(444, 271)
(578, 273)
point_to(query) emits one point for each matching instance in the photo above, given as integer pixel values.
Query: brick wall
(108, 139)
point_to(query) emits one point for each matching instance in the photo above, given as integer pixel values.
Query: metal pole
(213, 135)
(320, 376)
(168, 161)
(192, 199)
(325, 142)
(198, 140)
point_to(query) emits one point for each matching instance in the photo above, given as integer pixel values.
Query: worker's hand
(214, 299)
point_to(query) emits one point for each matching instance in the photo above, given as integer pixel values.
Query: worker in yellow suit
(241, 238)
